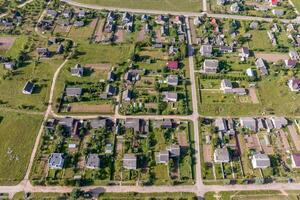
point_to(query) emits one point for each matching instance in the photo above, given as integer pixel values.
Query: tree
(76, 193)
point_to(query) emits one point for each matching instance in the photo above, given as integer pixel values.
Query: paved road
(19, 6)
(187, 14)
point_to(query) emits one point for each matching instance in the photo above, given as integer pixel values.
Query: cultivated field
(168, 5)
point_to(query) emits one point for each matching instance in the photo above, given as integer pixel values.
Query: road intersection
(199, 188)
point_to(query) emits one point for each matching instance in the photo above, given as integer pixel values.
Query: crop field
(168, 5)
(23, 129)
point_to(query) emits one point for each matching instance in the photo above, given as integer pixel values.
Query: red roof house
(172, 64)
(274, 2)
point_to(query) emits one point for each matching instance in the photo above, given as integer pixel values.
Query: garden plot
(252, 142)
(272, 57)
(6, 43)
(62, 29)
(99, 30)
(253, 95)
(207, 152)
(119, 36)
(295, 136)
(86, 108)
(101, 70)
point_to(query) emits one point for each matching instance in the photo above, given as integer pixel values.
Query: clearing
(167, 5)
(23, 129)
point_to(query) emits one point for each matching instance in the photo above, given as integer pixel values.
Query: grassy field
(16, 129)
(169, 5)
(252, 195)
(49, 196)
(144, 196)
(297, 4)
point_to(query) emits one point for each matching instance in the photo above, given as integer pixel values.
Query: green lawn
(297, 4)
(17, 135)
(145, 196)
(168, 5)
(49, 196)
(277, 98)
(11, 88)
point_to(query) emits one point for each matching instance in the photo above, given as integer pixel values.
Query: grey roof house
(56, 161)
(260, 161)
(130, 161)
(174, 150)
(210, 66)
(77, 70)
(73, 91)
(28, 88)
(162, 157)
(221, 155)
(93, 161)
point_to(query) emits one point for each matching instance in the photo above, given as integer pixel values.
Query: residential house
(295, 158)
(249, 123)
(28, 88)
(294, 55)
(279, 122)
(161, 19)
(130, 161)
(272, 38)
(294, 84)
(253, 25)
(77, 70)
(127, 95)
(43, 52)
(210, 66)
(245, 53)
(174, 150)
(51, 13)
(289, 63)
(72, 91)
(67, 13)
(260, 161)
(172, 64)
(81, 14)
(170, 96)
(9, 65)
(249, 72)
(78, 23)
(260, 65)
(111, 76)
(138, 125)
(226, 49)
(221, 155)
(56, 161)
(162, 157)
(221, 125)
(206, 50)
(60, 49)
(98, 123)
(93, 161)
(109, 149)
(68, 124)
(172, 80)
(235, 7)
(278, 12)
(111, 90)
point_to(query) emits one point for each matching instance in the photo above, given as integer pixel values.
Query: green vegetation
(16, 129)
(145, 196)
(167, 5)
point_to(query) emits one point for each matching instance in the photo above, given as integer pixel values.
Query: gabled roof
(73, 91)
(93, 161)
